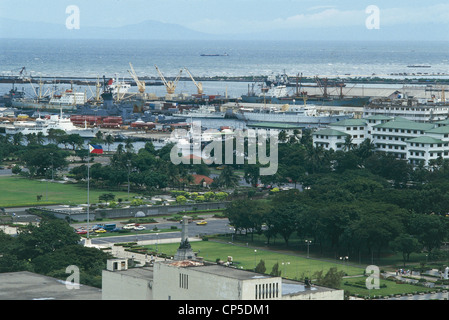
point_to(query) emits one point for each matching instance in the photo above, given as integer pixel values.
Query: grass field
(17, 191)
(291, 266)
(387, 287)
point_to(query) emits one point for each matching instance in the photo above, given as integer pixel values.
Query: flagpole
(98, 150)
(88, 199)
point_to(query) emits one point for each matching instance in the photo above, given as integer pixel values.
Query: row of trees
(49, 249)
(351, 213)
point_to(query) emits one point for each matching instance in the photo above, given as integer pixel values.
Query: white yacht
(47, 123)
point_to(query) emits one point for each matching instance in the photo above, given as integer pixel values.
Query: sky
(241, 16)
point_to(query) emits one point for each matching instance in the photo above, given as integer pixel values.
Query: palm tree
(120, 149)
(282, 136)
(315, 158)
(228, 178)
(109, 139)
(347, 145)
(31, 138)
(129, 144)
(99, 136)
(366, 149)
(40, 138)
(17, 138)
(172, 174)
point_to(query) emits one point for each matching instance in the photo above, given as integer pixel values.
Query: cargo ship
(279, 95)
(302, 115)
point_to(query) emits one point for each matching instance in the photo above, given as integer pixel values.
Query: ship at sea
(214, 55)
(44, 125)
(279, 95)
(307, 115)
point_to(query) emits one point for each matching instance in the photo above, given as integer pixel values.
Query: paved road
(214, 226)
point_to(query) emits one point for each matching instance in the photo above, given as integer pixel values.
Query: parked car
(202, 222)
(100, 231)
(81, 231)
(129, 226)
(139, 228)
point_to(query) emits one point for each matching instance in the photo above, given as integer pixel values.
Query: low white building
(196, 280)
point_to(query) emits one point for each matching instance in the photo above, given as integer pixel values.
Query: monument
(185, 251)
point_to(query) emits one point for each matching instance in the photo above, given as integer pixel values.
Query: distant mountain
(153, 30)
(146, 30)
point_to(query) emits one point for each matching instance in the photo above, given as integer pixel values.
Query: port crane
(140, 84)
(169, 85)
(198, 85)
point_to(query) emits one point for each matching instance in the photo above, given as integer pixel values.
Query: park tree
(40, 159)
(106, 197)
(260, 268)
(283, 218)
(332, 278)
(405, 244)
(275, 271)
(49, 235)
(228, 177)
(430, 230)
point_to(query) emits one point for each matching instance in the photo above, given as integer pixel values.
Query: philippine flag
(95, 149)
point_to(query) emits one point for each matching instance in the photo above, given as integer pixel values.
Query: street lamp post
(255, 255)
(345, 260)
(283, 265)
(308, 244)
(129, 168)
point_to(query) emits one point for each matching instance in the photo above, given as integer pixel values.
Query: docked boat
(44, 125)
(203, 112)
(68, 100)
(307, 115)
(279, 95)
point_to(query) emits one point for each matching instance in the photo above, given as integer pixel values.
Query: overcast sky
(237, 16)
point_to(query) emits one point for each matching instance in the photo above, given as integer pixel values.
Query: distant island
(214, 55)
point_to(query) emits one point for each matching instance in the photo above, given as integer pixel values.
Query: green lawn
(293, 267)
(387, 287)
(17, 191)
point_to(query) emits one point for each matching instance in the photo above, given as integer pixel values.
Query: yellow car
(202, 222)
(100, 231)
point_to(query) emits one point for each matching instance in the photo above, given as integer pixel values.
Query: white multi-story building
(392, 136)
(330, 139)
(417, 142)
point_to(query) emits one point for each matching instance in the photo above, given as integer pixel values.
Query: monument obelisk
(185, 251)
